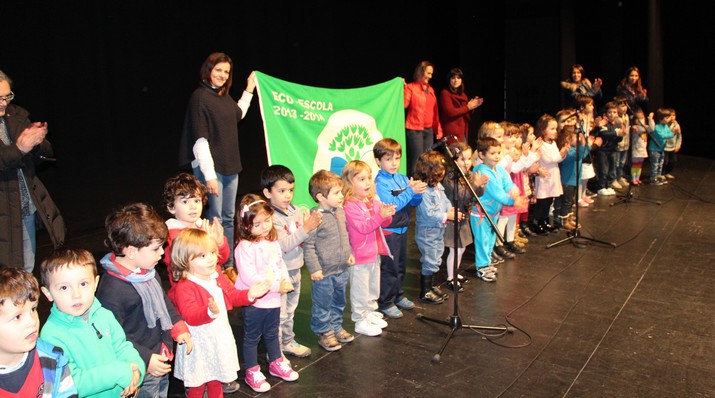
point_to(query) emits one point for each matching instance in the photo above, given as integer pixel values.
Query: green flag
(311, 128)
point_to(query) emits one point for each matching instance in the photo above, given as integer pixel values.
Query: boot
(436, 289)
(546, 226)
(525, 230)
(538, 229)
(504, 252)
(512, 247)
(426, 293)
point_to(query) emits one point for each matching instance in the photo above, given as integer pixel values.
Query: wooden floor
(579, 319)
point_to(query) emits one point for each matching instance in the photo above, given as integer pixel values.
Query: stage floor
(592, 320)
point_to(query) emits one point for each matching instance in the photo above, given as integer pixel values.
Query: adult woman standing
(631, 87)
(578, 84)
(455, 108)
(422, 123)
(209, 140)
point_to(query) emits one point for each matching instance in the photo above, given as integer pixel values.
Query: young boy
(624, 145)
(102, 362)
(327, 255)
(132, 291)
(672, 147)
(611, 134)
(657, 142)
(29, 367)
(184, 197)
(395, 189)
(499, 191)
(278, 184)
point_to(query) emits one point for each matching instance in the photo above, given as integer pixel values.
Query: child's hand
(131, 389)
(514, 193)
(312, 221)
(479, 179)
(259, 289)
(543, 172)
(564, 150)
(185, 338)
(316, 276)
(453, 214)
(215, 229)
(213, 307)
(158, 365)
(537, 144)
(521, 201)
(417, 185)
(387, 210)
(650, 116)
(286, 286)
(351, 260)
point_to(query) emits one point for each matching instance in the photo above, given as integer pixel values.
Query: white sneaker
(379, 322)
(377, 314)
(604, 192)
(623, 181)
(616, 185)
(611, 191)
(367, 328)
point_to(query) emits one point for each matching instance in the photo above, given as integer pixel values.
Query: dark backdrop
(112, 78)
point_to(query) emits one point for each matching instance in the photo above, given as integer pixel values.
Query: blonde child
(548, 181)
(640, 128)
(365, 216)
(28, 363)
(587, 124)
(656, 145)
(430, 221)
(672, 147)
(258, 257)
(625, 145)
(102, 361)
(203, 296)
(527, 183)
(465, 200)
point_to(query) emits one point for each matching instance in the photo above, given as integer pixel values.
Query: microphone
(441, 142)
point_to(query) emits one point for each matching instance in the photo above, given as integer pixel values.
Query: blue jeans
(430, 241)
(656, 164)
(606, 168)
(328, 303)
(289, 303)
(392, 271)
(418, 142)
(29, 242)
(621, 157)
(223, 206)
(259, 322)
(154, 387)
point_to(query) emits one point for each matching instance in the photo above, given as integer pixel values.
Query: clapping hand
(285, 286)
(311, 220)
(387, 210)
(418, 186)
(259, 289)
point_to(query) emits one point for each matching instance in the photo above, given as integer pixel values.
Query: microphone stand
(455, 321)
(575, 236)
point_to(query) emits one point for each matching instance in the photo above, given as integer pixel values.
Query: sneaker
(611, 192)
(623, 181)
(392, 312)
(462, 279)
(616, 185)
(405, 303)
(229, 388)
(281, 368)
(329, 342)
(583, 203)
(590, 194)
(379, 322)
(377, 314)
(344, 337)
(670, 176)
(603, 192)
(256, 380)
(454, 286)
(489, 268)
(493, 263)
(504, 252)
(296, 349)
(367, 328)
(662, 178)
(485, 275)
(588, 200)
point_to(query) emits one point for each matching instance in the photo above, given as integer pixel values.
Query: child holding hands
(203, 296)
(365, 216)
(258, 257)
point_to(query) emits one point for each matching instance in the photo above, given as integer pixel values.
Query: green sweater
(100, 366)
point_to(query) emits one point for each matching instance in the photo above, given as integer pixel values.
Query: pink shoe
(256, 380)
(582, 203)
(281, 368)
(587, 199)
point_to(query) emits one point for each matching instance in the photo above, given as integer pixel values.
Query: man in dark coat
(23, 197)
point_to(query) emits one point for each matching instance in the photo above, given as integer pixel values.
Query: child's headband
(245, 208)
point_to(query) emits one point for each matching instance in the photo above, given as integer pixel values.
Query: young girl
(258, 257)
(528, 141)
(365, 216)
(432, 214)
(465, 200)
(639, 144)
(203, 296)
(548, 183)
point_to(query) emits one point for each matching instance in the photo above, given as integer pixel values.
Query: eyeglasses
(8, 97)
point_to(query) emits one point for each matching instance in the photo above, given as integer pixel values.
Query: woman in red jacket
(455, 108)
